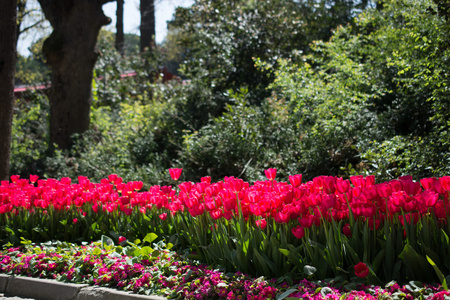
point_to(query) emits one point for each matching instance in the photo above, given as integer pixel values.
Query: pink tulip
(271, 173)
(175, 173)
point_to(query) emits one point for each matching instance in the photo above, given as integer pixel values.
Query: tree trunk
(70, 52)
(147, 25)
(8, 33)
(119, 27)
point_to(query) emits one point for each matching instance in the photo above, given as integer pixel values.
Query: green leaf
(285, 252)
(438, 272)
(416, 263)
(261, 261)
(150, 237)
(286, 293)
(96, 251)
(146, 250)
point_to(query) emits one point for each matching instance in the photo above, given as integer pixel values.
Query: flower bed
(163, 272)
(325, 228)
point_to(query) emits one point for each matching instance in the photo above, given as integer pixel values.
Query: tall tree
(119, 27)
(70, 52)
(8, 33)
(29, 17)
(147, 24)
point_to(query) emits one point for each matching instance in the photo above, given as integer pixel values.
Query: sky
(164, 10)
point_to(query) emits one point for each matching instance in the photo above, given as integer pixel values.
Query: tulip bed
(159, 271)
(349, 230)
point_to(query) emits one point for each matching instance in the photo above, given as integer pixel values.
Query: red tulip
(342, 186)
(15, 178)
(216, 213)
(384, 190)
(122, 239)
(346, 230)
(271, 173)
(163, 216)
(236, 184)
(358, 180)
(329, 183)
(33, 178)
(298, 232)
(429, 198)
(206, 179)
(137, 185)
(328, 201)
(175, 173)
(295, 180)
(306, 222)
(361, 270)
(445, 183)
(261, 223)
(374, 223)
(428, 183)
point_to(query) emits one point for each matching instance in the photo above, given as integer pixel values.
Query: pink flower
(295, 180)
(261, 223)
(163, 216)
(33, 178)
(206, 179)
(298, 232)
(175, 173)
(346, 230)
(361, 270)
(271, 173)
(75, 220)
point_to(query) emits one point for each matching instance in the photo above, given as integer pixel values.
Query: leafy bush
(242, 141)
(29, 134)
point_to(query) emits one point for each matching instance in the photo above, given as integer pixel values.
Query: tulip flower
(33, 178)
(298, 232)
(122, 239)
(346, 230)
(361, 270)
(175, 173)
(271, 173)
(261, 223)
(295, 180)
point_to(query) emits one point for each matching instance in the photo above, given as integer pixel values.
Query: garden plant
(353, 231)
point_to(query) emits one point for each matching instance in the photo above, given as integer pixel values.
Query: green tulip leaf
(438, 272)
(286, 293)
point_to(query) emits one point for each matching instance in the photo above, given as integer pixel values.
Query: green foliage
(119, 143)
(32, 70)
(29, 134)
(371, 99)
(219, 40)
(242, 142)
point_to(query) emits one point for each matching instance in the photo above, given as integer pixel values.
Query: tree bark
(119, 27)
(70, 52)
(8, 33)
(147, 25)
